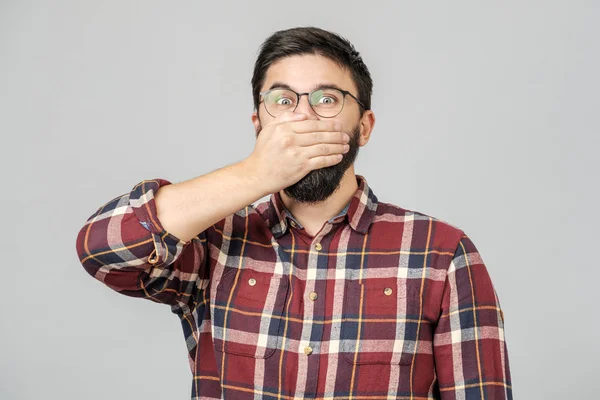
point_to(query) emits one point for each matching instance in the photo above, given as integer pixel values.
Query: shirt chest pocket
(247, 312)
(374, 330)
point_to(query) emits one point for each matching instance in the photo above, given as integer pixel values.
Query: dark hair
(312, 40)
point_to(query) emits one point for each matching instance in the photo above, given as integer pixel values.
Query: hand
(291, 146)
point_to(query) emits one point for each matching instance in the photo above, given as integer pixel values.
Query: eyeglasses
(326, 102)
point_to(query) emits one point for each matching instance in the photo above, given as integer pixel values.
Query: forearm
(187, 208)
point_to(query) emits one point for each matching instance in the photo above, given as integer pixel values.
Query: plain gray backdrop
(487, 118)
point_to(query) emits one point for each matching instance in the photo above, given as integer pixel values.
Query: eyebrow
(323, 85)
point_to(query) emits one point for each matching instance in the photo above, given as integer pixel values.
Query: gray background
(487, 117)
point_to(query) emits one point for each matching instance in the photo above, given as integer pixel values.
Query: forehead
(305, 72)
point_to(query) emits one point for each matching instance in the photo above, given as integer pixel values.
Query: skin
(322, 193)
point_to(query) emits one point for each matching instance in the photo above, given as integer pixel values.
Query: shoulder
(415, 224)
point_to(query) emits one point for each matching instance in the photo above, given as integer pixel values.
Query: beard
(320, 184)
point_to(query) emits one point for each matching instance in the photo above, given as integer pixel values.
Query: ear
(367, 123)
(255, 121)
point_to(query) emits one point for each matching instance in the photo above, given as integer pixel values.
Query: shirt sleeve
(124, 246)
(469, 345)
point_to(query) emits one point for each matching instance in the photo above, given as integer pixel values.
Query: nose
(305, 108)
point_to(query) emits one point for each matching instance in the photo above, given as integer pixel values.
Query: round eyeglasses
(325, 102)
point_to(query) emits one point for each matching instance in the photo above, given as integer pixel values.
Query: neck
(313, 216)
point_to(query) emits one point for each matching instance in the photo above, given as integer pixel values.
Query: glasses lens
(327, 102)
(279, 100)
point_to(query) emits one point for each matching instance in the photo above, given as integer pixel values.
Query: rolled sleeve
(124, 246)
(167, 247)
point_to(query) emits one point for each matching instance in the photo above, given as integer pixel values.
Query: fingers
(315, 125)
(288, 116)
(312, 138)
(325, 149)
(324, 161)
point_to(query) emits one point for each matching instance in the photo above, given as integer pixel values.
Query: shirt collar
(360, 211)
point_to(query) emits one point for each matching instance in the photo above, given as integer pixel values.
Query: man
(323, 291)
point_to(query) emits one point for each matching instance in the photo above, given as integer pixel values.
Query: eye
(325, 97)
(284, 101)
(327, 100)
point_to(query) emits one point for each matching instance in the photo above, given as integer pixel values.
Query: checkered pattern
(383, 303)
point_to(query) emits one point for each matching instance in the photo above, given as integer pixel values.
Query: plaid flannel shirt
(383, 303)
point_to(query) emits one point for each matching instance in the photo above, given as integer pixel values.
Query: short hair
(312, 40)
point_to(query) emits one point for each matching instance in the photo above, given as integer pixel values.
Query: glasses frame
(299, 95)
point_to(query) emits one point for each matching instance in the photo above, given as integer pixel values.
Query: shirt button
(387, 291)
(251, 281)
(308, 350)
(318, 246)
(313, 296)
(153, 257)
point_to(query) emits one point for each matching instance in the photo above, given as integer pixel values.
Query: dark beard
(319, 184)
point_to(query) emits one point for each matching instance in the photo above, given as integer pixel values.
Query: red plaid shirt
(383, 303)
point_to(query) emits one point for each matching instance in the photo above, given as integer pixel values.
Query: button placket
(314, 310)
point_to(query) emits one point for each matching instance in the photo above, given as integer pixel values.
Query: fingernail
(346, 137)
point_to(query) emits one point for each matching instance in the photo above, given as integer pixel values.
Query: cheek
(259, 122)
(263, 117)
(349, 125)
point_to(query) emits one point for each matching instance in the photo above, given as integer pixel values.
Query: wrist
(248, 171)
